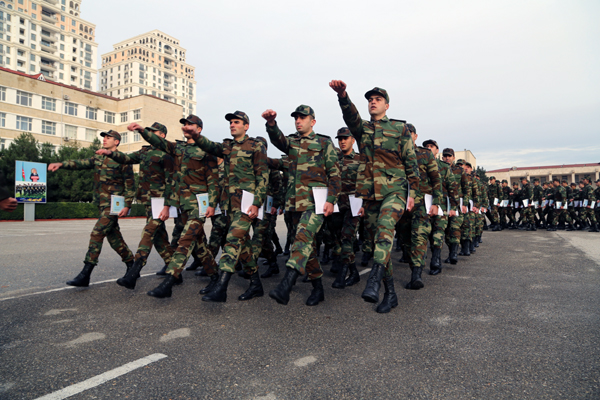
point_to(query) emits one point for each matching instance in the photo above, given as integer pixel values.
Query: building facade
(570, 172)
(58, 114)
(152, 63)
(49, 37)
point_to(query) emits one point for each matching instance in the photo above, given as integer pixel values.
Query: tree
(482, 175)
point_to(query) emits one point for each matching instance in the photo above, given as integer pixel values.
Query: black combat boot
(163, 271)
(416, 282)
(465, 249)
(453, 253)
(325, 259)
(594, 228)
(371, 292)
(317, 295)
(213, 281)
(476, 241)
(278, 249)
(336, 265)
(570, 227)
(128, 265)
(194, 265)
(532, 227)
(254, 290)
(365, 258)
(165, 288)
(340, 279)
(390, 300)
(201, 272)
(405, 255)
(272, 270)
(435, 266)
(485, 227)
(281, 293)
(551, 228)
(219, 292)
(286, 250)
(472, 246)
(83, 279)
(354, 276)
(398, 246)
(132, 274)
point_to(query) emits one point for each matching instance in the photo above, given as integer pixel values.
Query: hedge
(65, 211)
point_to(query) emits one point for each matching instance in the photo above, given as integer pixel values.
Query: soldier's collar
(311, 135)
(243, 139)
(351, 155)
(384, 119)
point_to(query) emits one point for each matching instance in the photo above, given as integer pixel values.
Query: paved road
(518, 320)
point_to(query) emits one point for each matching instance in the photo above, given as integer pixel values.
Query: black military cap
(492, 177)
(460, 162)
(238, 115)
(504, 181)
(588, 177)
(524, 179)
(158, 127)
(448, 152)
(468, 164)
(597, 180)
(343, 132)
(113, 134)
(192, 119)
(564, 181)
(411, 128)
(515, 183)
(304, 110)
(573, 184)
(536, 180)
(431, 141)
(377, 91)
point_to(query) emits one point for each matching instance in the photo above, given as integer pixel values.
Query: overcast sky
(515, 82)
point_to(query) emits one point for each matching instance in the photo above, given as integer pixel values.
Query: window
(91, 113)
(71, 108)
(137, 114)
(32, 57)
(90, 135)
(109, 117)
(24, 123)
(136, 136)
(49, 128)
(24, 98)
(124, 137)
(71, 131)
(124, 117)
(2, 93)
(2, 120)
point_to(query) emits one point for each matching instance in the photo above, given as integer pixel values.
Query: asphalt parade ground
(519, 319)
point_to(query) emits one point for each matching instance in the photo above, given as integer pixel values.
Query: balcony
(168, 79)
(49, 48)
(53, 2)
(47, 66)
(50, 18)
(47, 74)
(48, 36)
(168, 50)
(168, 66)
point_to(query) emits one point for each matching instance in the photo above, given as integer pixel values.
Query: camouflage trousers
(468, 226)
(504, 217)
(287, 218)
(439, 224)
(344, 227)
(176, 230)
(262, 230)
(237, 238)
(597, 212)
(369, 228)
(479, 221)
(268, 248)
(154, 234)
(494, 215)
(563, 215)
(191, 241)
(218, 233)
(325, 235)
(107, 227)
(453, 233)
(415, 228)
(381, 218)
(303, 256)
(528, 214)
(588, 213)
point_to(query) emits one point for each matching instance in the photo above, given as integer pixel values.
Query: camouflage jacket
(275, 188)
(349, 170)
(110, 178)
(516, 195)
(156, 168)
(494, 192)
(549, 193)
(195, 172)
(245, 169)
(527, 193)
(484, 200)
(313, 162)
(560, 194)
(597, 193)
(388, 155)
(505, 192)
(587, 193)
(449, 186)
(429, 182)
(281, 165)
(538, 193)
(474, 190)
(462, 184)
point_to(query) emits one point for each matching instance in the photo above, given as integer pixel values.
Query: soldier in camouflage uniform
(515, 200)
(468, 226)
(312, 164)
(439, 223)
(504, 210)
(480, 216)
(246, 169)
(560, 198)
(387, 181)
(110, 178)
(344, 224)
(156, 168)
(495, 196)
(538, 195)
(587, 212)
(527, 211)
(195, 174)
(456, 217)
(415, 225)
(597, 196)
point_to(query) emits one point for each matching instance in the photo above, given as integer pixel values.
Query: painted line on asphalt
(102, 378)
(365, 271)
(64, 288)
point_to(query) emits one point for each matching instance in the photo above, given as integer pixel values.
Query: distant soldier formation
(330, 195)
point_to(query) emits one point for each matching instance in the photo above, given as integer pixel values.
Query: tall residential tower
(49, 37)
(153, 64)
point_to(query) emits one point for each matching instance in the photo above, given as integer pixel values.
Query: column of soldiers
(390, 185)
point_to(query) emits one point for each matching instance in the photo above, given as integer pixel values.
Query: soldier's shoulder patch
(180, 141)
(146, 147)
(228, 140)
(324, 136)
(294, 135)
(398, 120)
(443, 162)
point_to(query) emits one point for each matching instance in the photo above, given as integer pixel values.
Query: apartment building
(58, 113)
(49, 37)
(152, 63)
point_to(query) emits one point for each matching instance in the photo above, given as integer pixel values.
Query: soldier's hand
(253, 212)
(361, 212)
(339, 87)
(452, 213)
(410, 204)
(8, 205)
(327, 209)
(273, 211)
(270, 116)
(464, 209)
(210, 212)
(54, 166)
(280, 211)
(475, 210)
(124, 212)
(164, 214)
(103, 152)
(433, 211)
(134, 126)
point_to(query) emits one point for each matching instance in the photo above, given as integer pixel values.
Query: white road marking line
(102, 378)
(365, 271)
(65, 288)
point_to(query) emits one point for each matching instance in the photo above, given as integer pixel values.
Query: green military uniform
(312, 164)
(589, 200)
(494, 198)
(468, 226)
(560, 199)
(220, 223)
(527, 211)
(597, 196)
(538, 195)
(454, 232)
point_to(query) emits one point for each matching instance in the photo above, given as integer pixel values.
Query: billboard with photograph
(30, 182)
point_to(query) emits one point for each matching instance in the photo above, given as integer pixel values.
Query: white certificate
(355, 204)
(158, 204)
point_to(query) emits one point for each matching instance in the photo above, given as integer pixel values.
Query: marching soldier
(494, 196)
(456, 218)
